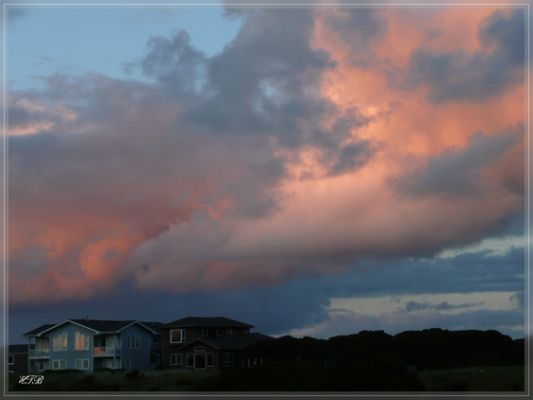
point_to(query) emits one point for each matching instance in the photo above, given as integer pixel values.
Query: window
(176, 359)
(82, 363)
(155, 339)
(229, 331)
(220, 332)
(209, 360)
(59, 364)
(11, 360)
(190, 360)
(133, 341)
(227, 359)
(204, 332)
(42, 365)
(177, 335)
(81, 341)
(60, 342)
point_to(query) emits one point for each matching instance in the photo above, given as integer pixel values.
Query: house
(17, 359)
(207, 342)
(89, 344)
(155, 350)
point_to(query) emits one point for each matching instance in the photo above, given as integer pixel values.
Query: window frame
(182, 335)
(178, 359)
(190, 356)
(227, 359)
(207, 356)
(82, 361)
(86, 341)
(59, 361)
(65, 347)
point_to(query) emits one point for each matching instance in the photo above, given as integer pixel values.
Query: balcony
(39, 353)
(105, 351)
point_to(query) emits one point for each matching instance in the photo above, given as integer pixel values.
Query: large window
(176, 359)
(81, 341)
(60, 342)
(82, 363)
(227, 359)
(59, 364)
(209, 360)
(190, 360)
(133, 341)
(177, 335)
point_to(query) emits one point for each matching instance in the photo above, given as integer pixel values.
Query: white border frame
(280, 5)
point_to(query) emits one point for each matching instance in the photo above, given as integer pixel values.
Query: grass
(165, 380)
(482, 379)
(507, 378)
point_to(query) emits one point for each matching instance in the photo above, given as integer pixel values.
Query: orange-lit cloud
(301, 160)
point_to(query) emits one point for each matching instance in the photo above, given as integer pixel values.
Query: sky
(312, 171)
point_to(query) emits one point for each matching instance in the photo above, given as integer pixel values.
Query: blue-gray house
(89, 344)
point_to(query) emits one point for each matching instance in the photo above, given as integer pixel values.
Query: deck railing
(104, 351)
(36, 353)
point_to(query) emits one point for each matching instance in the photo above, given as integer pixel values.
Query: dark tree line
(367, 361)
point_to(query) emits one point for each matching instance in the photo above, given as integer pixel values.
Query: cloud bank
(304, 147)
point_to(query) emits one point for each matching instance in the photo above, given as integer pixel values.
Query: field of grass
(508, 378)
(165, 380)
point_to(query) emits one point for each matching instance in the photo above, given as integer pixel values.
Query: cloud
(358, 28)
(339, 323)
(489, 71)
(459, 171)
(308, 301)
(269, 162)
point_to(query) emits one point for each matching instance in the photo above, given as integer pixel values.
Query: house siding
(168, 348)
(136, 358)
(70, 355)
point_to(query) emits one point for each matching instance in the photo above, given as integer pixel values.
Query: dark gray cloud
(301, 303)
(488, 72)
(458, 172)
(358, 27)
(417, 306)
(263, 83)
(176, 64)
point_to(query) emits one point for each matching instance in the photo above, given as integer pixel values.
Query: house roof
(155, 326)
(18, 348)
(38, 330)
(207, 322)
(97, 325)
(230, 342)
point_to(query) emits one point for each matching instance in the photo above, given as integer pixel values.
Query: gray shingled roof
(99, 325)
(155, 326)
(38, 330)
(207, 322)
(102, 325)
(231, 342)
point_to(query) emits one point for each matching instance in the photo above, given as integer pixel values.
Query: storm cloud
(457, 75)
(273, 161)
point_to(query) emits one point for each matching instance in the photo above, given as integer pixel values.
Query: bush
(133, 374)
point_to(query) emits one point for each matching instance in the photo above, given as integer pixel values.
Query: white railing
(35, 353)
(104, 351)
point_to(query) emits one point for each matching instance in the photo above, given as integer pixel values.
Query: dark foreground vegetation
(430, 360)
